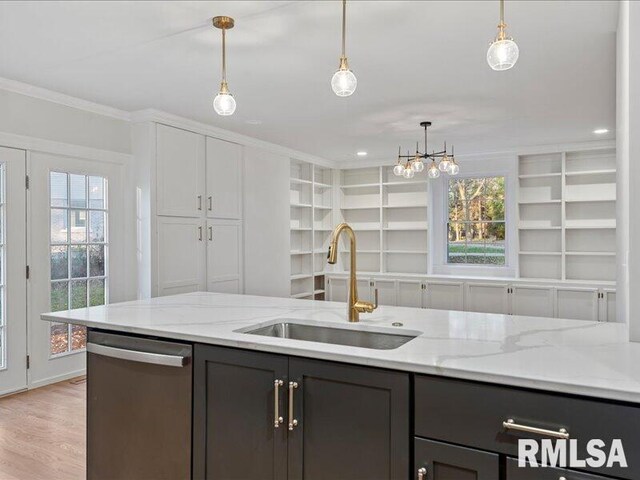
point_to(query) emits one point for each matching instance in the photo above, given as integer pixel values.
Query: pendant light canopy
(503, 52)
(344, 82)
(224, 103)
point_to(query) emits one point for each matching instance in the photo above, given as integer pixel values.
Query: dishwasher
(139, 406)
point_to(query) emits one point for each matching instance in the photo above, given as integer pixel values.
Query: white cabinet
(532, 300)
(386, 291)
(577, 303)
(337, 289)
(224, 259)
(410, 293)
(224, 176)
(180, 170)
(444, 295)
(487, 298)
(181, 255)
(607, 305)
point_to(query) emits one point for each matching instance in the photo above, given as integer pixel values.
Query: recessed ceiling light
(600, 131)
(361, 153)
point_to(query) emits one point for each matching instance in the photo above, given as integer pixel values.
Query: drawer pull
(292, 421)
(510, 424)
(422, 473)
(276, 402)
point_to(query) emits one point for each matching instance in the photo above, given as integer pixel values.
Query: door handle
(422, 473)
(276, 402)
(200, 233)
(199, 202)
(210, 233)
(510, 424)
(210, 199)
(292, 421)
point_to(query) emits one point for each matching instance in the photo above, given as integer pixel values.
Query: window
(79, 252)
(476, 221)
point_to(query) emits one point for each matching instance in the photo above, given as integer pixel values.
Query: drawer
(440, 461)
(516, 473)
(472, 414)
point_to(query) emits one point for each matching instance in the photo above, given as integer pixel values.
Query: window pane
(59, 296)
(78, 261)
(96, 260)
(456, 248)
(97, 221)
(59, 228)
(58, 189)
(59, 263)
(96, 292)
(78, 184)
(59, 338)
(96, 192)
(78, 294)
(78, 337)
(495, 199)
(78, 226)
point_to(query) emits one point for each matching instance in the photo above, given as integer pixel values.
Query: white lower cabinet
(487, 298)
(608, 305)
(577, 303)
(444, 295)
(337, 289)
(181, 255)
(411, 293)
(224, 259)
(532, 300)
(386, 291)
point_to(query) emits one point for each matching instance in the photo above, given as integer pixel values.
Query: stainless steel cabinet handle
(292, 421)
(210, 233)
(138, 356)
(200, 233)
(199, 202)
(210, 202)
(276, 402)
(510, 424)
(422, 473)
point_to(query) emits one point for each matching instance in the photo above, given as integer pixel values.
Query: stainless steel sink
(336, 336)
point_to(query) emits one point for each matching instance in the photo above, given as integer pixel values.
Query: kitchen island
(453, 401)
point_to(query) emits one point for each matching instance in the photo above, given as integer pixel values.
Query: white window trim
(487, 166)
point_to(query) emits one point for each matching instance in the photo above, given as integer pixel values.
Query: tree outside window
(476, 221)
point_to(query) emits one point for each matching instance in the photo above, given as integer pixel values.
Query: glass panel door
(13, 282)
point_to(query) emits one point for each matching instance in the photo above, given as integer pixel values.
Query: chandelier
(408, 165)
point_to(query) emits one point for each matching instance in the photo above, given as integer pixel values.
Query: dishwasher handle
(139, 356)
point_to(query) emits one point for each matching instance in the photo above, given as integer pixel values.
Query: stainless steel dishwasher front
(139, 405)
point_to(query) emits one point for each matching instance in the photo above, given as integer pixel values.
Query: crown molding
(158, 116)
(62, 99)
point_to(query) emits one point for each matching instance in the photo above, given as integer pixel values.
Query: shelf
(539, 202)
(318, 291)
(300, 205)
(323, 229)
(408, 182)
(360, 208)
(592, 254)
(407, 252)
(541, 253)
(404, 229)
(607, 171)
(302, 295)
(360, 185)
(300, 229)
(301, 276)
(322, 207)
(300, 181)
(539, 228)
(590, 200)
(322, 185)
(360, 251)
(405, 206)
(540, 175)
(300, 252)
(587, 225)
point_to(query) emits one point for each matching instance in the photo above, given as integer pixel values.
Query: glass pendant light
(443, 166)
(398, 169)
(503, 52)
(344, 82)
(224, 103)
(408, 173)
(433, 171)
(453, 168)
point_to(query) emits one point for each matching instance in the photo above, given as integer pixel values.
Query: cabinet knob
(422, 473)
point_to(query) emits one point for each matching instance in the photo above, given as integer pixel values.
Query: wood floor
(42, 433)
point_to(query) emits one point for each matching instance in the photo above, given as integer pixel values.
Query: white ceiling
(414, 60)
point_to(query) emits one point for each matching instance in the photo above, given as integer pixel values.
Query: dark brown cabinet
(441, 461)
(338, 421)
(520, 473)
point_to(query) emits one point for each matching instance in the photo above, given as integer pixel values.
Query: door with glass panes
(72, 245)
(13, 281)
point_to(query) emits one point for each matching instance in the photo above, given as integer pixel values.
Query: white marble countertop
(569, 356)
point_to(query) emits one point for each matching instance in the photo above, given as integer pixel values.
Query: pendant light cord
(344, 28)
(501, 12)
(224, 56)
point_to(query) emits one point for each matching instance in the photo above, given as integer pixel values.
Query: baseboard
(57, 378)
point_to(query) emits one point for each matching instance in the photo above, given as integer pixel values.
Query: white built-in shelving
(389, 217)
(567, 216)
(311, 206)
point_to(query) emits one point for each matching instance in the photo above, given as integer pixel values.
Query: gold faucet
(355, 306)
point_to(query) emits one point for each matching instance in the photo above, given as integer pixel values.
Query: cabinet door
(180, 172)
(224, 262)
(487, 298)
(224, 177)
(365, 289)
(337, 289)
(444, 295)
(410, 293)
(234, 432)
(353, 422)
(181, 255)
(514, 472)
(608, 306)
(386, 292)
(577, 303)
(532, 300)
(441, 461)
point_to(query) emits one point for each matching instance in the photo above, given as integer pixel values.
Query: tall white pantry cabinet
(189, 211)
